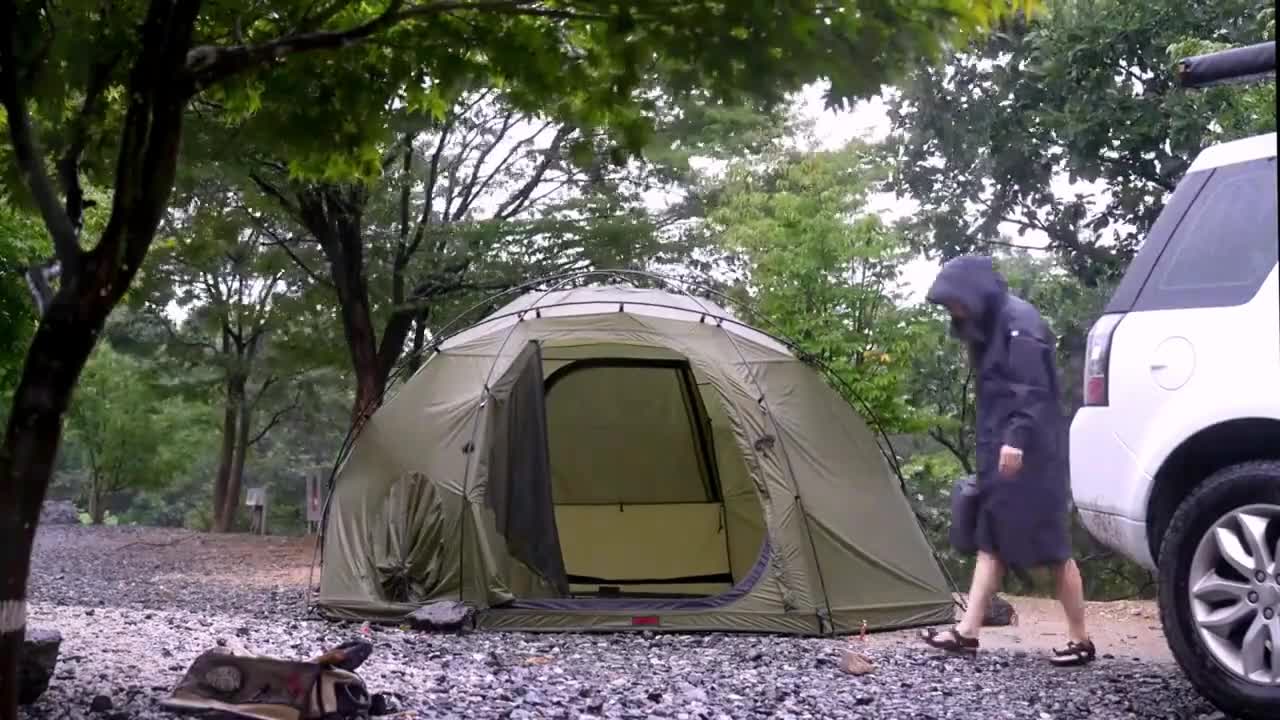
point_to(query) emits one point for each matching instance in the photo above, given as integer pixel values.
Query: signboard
(255, 497)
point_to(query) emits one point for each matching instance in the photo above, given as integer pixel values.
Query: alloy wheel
(1234, 588)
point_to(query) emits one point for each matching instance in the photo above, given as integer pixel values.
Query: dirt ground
(1126, 629)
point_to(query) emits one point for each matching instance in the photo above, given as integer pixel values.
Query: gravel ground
(136, 606)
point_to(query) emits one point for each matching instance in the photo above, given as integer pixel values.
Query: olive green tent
(609, 457)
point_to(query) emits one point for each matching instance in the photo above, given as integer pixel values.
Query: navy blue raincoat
(1023, 519)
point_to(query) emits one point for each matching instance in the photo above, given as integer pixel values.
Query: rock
(37, 664)
(384, 704)
(855, 663)
(59, 512)
(999, 613)
(447, 615)
(101, 704)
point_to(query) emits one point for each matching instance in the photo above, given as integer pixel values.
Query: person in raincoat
(1022, 519)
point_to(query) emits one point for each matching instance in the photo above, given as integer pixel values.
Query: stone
(101, 704)
(999, 613)
(447, 615)
(37, 663)
(855, 663)
(385, 704)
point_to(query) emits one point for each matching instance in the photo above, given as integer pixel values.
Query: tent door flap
(519, 484)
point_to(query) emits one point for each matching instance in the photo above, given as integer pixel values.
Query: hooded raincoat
(1022, 519)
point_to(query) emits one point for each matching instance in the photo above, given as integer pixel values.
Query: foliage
(124, 434)
(823, 269)
(1086, 94)
(22, 243)
(1232, 111)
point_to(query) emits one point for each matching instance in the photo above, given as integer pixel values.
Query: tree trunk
(224, 509)
(58, 353)
(144, 175)
(97, 509)
(235, 480)
(370, 380)
(225, 456)
(333, 214)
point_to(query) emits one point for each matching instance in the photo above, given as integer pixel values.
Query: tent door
(519, 485)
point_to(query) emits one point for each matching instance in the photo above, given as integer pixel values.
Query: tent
(610, 457)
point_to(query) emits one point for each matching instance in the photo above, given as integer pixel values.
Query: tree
(215, 268)
(823, 268)
(479, 202)
(103, 91)
(1085, 93)
(128, 436)
(454, 196)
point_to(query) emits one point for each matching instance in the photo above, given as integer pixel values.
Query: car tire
(1227, 490)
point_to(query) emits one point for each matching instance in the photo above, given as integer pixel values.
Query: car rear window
(1225, 246)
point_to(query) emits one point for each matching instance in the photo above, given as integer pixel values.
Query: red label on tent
(645, 620)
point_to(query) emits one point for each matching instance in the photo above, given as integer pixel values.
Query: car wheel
(1220, 589)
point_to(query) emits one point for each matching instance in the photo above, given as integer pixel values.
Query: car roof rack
(1237, 65)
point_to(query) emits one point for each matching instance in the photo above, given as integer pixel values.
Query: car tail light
(1097, 360)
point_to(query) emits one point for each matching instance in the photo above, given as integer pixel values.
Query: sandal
(951, 641)
(1074, 654)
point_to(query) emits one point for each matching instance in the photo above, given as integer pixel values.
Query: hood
(972, 282)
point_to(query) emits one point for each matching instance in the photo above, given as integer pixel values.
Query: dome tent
(613, 457)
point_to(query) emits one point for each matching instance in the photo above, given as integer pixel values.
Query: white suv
(1175, 457)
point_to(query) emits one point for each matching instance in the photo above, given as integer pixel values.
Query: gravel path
(134, 616)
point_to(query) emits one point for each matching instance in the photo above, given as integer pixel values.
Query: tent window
(629, 431)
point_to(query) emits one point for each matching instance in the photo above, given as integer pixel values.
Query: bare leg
(986, 580)
(1071, 594)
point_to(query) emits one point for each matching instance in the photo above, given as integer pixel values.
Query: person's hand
(1010, 460)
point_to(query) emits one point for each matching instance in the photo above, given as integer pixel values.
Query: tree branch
(433, 176)
(519, 200)
(942, 439)
(275, 193)
(155, 314)
(472, 188)
(283, 244)
(27, 151)
(262, 390)
(276, 418)
(211, 64)
(507, 160)
(69, 164)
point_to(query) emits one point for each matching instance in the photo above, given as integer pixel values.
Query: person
(1022, 516)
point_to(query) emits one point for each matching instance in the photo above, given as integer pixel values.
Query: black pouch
(965, 495)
